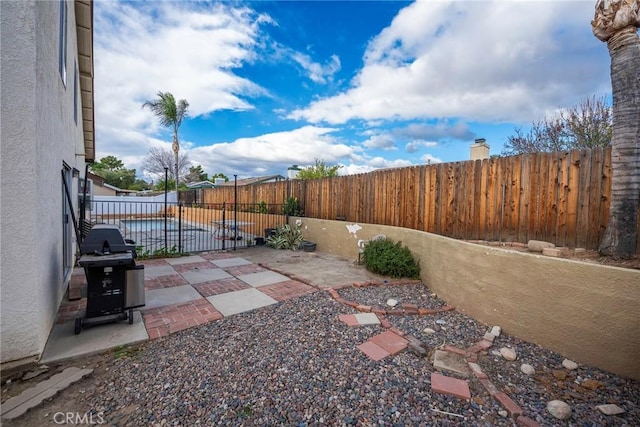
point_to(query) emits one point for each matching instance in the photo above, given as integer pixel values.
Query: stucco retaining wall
(586, 312)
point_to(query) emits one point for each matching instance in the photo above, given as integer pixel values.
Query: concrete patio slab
(153, 271)
(240, 301)
(185, 260)
(205, 275)
(64, 344)
(444, 360)
(230, 262)
(168, 296)
(263, 278)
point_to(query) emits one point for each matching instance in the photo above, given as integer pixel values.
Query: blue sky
(364, 84)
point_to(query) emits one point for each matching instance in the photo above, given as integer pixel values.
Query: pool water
(138, 225)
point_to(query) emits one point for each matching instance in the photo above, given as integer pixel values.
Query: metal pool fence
(177, 228)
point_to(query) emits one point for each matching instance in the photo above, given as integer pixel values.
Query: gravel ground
(295, 364)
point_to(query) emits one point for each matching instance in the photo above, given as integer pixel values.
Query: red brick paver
(218, 255)
(526, 422)
(69, 310)
(373, 350)
(512, 407)
(241, 270)
(181, 268)
(162, 321)
(349, 319)
(164, 282)
(222, 286)
(286, 290)
(150, 262)
(447, 385)
(390, 342)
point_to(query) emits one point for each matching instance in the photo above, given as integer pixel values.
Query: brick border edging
(407, 309)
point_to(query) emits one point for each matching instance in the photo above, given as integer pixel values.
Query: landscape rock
(569, 364)
(610, 409)
(539, 245)
(559, 409)
(429, 331)
(392, 302)
(503, 413)
(591, 384)
(508, 353)
(527, 369)
(441, 322)
(496, 331)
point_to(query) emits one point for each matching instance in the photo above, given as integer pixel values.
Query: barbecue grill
(115, 284)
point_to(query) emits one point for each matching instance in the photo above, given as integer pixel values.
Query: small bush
(286, 237)
(390, 259)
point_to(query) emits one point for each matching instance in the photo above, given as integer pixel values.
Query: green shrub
(286, 237)
(291, 207)
(390, 259)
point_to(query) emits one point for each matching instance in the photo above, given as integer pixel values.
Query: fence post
(224, 210)
(166, 243)
(180, 227)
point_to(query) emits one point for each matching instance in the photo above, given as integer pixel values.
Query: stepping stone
(367, 319)
(447, 385)
(373, 351)
(169, 296)
(444, 360)
(349, 319)
(155, 271)
(34, 396)
(230, 262)
(610, 409)
(391, 342)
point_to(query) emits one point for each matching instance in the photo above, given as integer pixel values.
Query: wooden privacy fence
(561, 197)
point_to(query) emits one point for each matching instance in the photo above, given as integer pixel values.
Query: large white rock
(508, 353)
(610, 409)
(392, 302)
(429, 331)
(495, 331)
(539, 245)
(559, 409)
(527, 369)
(569, 364)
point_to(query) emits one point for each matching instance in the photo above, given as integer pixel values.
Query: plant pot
(308, 246)
(270, 232)
(259, 241)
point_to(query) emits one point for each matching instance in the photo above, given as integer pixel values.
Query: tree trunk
(620, 238)
(176, 150)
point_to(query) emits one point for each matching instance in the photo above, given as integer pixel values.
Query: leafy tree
(196, 174)
(114, 173)
(171, 184)
(319, 170)
(139, 185)
(219, 175)
(586, 125)
(157, 159)
(617, 23)
(170, 114)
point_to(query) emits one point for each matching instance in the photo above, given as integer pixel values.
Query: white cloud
(317, 72)
(416, 144)
(429, 159)
(274, 151)
(188, 49)
(494, 61)
(383, 141)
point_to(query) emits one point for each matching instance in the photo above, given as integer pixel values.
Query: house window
(62, 50)
(75, 93)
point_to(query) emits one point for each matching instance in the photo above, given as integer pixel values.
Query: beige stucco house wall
(46, 128)
(584, 311)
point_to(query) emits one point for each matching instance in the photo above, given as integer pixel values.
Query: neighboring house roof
(201, 184)
(253, 181)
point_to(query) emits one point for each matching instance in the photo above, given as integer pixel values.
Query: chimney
(479, 149)
(292, 172)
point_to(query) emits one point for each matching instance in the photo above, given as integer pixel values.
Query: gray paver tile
(168, 296)
(367, 319)
(230, 262)
(240, 301)
(185, 260)
(263, 278)
(154, 271)
(205, 275)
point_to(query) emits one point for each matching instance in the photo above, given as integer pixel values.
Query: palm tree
(616, 22)
(170, 115)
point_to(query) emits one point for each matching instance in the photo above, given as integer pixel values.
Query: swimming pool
(145, 225)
